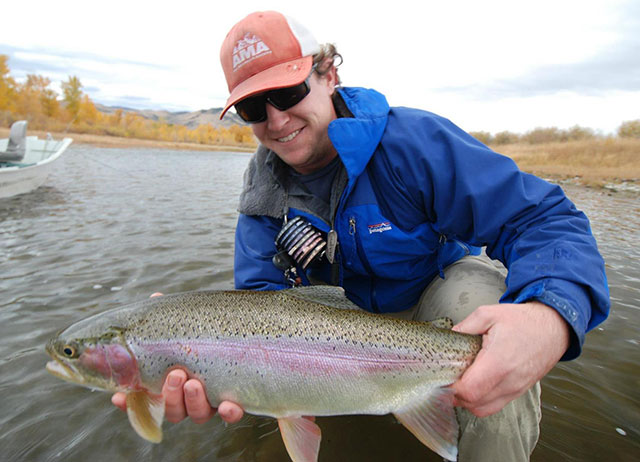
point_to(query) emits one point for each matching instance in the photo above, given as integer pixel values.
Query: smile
(289, 137)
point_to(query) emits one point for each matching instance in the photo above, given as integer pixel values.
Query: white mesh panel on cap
(308, 44)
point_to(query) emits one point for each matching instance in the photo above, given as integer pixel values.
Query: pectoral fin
(145, 413)
(433, 421)
(301, 438)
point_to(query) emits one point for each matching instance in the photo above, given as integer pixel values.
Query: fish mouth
(64, 371)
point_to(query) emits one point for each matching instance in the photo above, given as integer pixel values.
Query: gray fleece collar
(263, 191)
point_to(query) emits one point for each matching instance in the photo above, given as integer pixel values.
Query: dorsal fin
(442, 323)
(325, 295)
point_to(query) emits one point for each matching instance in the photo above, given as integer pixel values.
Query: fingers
(196, 403)
(230, 412)
(174, 396)
(120, 401)
(187, 398)
(480, 384)
(520, 344)
(493, 406)
(477, 323)
(156, 294)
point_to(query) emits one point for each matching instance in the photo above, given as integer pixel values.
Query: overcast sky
(488, 65)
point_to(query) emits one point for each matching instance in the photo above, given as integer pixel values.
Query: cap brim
(280, 76)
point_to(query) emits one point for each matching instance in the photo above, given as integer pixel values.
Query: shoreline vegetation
(577, 155)
(611, 163)
(109, 141)
(74, 112)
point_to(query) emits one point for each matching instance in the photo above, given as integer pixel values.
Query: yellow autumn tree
(87, 112)
(50, 104)
(26, 102)
(72, 96)
(7, 85)
(35, 101)
(32, 99)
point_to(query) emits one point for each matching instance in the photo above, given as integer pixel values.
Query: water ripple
(142, 221)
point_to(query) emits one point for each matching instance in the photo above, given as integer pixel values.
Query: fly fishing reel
(299, 243)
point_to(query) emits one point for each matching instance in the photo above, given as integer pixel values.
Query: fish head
(94, 357)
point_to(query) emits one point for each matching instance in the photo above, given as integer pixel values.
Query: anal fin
(433, 421)
(145, 413)
(301, 438)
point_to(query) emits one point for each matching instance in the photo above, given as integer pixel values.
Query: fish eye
(69, 351)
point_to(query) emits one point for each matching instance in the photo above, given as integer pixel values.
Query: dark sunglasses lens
(285, 98)
(252, 109)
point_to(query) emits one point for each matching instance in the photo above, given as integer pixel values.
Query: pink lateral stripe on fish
(293, 356)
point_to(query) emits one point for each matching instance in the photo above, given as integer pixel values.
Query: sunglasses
(253, 110)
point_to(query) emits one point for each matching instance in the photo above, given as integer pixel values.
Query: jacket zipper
(365, 262)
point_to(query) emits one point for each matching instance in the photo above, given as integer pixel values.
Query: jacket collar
(355, 133)
(356, 138)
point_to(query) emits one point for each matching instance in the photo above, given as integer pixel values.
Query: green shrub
(629, 129)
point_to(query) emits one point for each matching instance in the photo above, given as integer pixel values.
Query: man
(406, 200)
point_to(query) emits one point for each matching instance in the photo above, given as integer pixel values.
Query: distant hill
(189, 119)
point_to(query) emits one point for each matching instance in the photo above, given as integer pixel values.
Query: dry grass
(118, 142)
(593, 162)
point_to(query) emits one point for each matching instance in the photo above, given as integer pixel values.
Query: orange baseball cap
(265, 51)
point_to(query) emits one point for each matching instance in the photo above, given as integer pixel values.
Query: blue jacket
(421, 194)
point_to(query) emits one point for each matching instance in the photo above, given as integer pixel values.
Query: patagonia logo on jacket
(379, 227)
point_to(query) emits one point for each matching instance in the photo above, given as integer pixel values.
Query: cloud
(43, 58)
(613, 68)
(138, 102)
(108, 80)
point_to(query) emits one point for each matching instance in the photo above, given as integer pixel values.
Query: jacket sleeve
(481, 197)
(254, 249)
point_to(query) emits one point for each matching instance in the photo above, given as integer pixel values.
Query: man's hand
(187, 398)
(520, 344)
(184, 398)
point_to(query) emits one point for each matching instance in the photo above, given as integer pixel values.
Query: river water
(112, 226)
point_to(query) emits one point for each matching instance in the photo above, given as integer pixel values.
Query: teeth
(289, 137)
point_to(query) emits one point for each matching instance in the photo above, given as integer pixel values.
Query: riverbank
(612, 163)
(103, 141)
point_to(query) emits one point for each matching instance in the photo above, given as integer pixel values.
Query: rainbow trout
(284, 354)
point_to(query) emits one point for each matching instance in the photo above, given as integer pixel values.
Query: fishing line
(104, 164)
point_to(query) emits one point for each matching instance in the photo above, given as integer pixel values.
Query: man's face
(299, 135)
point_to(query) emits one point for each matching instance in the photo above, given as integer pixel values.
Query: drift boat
(25, 161)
